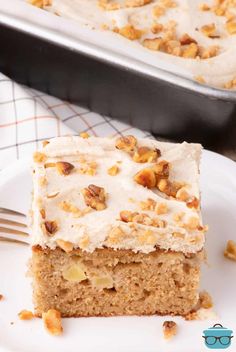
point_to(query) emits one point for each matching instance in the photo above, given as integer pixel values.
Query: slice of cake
(117, 228)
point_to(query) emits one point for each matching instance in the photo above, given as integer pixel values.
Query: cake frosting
(211, 25)
(59, 198)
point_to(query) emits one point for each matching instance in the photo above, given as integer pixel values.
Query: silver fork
(13, 227)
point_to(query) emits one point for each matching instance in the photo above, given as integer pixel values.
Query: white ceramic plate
(122, 334)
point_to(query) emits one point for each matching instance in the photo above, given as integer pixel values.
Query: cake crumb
(169, 329)
(25, 315)
(52, 322)
(230, 250)
(205, 300)
(1, 297)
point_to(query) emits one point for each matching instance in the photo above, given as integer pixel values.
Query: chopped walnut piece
(64, 168)
(52, 195)
(153, 44)
(167, 187)
(200, 79)
(40, 3)
(149, 204)
(161, 208)
(168, 3)
(52, 322)
(209, 29)
(115, 236)
(43, 181)
(191, 316)
(136, 3)
(146, 155)
(141, 218)
(231, 27)
(147, 237)
(47, 165)
(108, 6)
(169, 329)
(25, 315)
(45, 143)
(39, 157)
(192, 224)
(65, 245)
(190, 51)
(130, 32)
(126, 215)
(209, 52)
(178, 235)
(88, 168)
(51, 227)
(162, 169)
(219, 11)
(193, 203)
(205, 300)
(126, 143)
(182, 194)
(84, 242)
(146, 177)
(113, 170)
(156, 28)
(231, 84)
(95, 197)
(84, 135)
(186, 39)
(43, 213)
(178, 216)
(204, 7)
(70, 208)
(158, 11)
(230, 250)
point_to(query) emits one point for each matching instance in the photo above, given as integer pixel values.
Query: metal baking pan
(113, 84)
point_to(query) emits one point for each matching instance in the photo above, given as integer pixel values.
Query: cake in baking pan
(193, 38)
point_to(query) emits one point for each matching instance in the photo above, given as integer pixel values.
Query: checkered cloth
(27, 117)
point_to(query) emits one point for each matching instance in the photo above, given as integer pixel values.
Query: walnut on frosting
(146, 155)
(64, 168)
(65, 245)
(116, 235)
(95, 197)
(141, 218)
(51, 227)
(39, 157)
(209, 30)
(146, 177)
(126, 143)
(157, 176)
(130, 32)
(40, 3)
(231, 27)
(113, 170)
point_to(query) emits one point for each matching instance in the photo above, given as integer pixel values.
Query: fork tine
(12, 240)
(13, 231)
(11, 222)
(11, 212)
